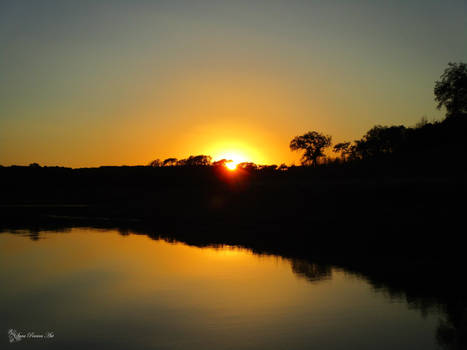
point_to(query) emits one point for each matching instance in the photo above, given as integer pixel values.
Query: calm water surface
(98, 289)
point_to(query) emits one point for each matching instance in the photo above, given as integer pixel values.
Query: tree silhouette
(313, 143)
(169, 162)
(451, 90)
(344, 148)
(156, 163)
(195, 161)
(379, 140)
(221, 163)
(248, 166)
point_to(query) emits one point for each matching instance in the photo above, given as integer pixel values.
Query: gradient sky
(88, 83)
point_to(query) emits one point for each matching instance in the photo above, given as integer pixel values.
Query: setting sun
(231, 165)
(233, 159)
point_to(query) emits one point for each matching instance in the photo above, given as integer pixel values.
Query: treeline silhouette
(204, 161)
(438, 146)
(440, 142)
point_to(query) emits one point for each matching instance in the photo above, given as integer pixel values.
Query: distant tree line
(424, 140)
(192, 161)
(205, 161)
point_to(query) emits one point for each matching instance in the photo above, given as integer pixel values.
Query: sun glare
(233, 159)
(231, 165)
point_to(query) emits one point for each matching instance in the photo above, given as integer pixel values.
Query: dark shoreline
(399, 230)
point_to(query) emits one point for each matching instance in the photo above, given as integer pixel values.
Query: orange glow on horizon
(233, 159)
(231, 166)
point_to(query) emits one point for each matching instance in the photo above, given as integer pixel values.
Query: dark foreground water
(98, 289)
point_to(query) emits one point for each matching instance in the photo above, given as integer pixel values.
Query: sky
(88, 83)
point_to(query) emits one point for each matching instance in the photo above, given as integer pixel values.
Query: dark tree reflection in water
(428, 293)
